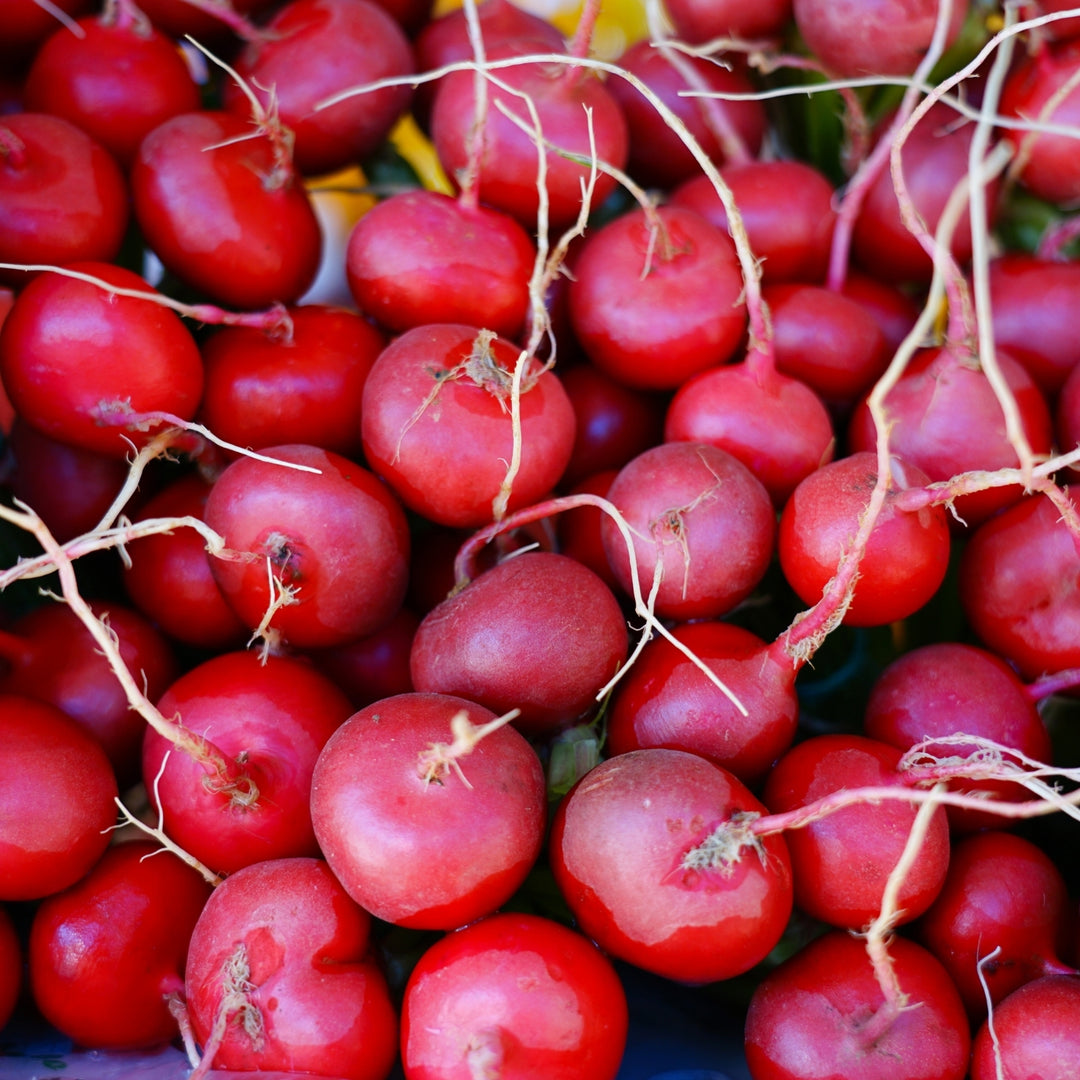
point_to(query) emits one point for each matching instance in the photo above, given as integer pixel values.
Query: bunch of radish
(654, 548)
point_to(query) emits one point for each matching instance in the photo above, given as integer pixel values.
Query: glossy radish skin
(441, 393)
(75, 360)
(906, 556)
(304, 526)
(517, 993)
(841, 862)
(538, 632)
(667, 700)
(634, 852)
(699, 21)
(56, 799)
(700, 515)
(282, 954)
(1036, 1029)
(314, 49)
(272, 720)
(814, 1016)
(224, 212)
(421, 845)
(63, 197)
(1001, 891)
(421, 257)
(656, 301)
(106, 954)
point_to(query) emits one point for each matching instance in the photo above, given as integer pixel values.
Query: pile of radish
(641, 537)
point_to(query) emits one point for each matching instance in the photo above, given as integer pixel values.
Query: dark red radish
(1042, 89)
(614, 422)
(49, 655)
(538, 632)
(827, 340)
(311, 50)
(1035, 1033)
(107, 955)
(667, 700)
(1067, 415)
(786, 208)
(893, 310)
(775, 425)
(57, 795)
(63, 197)
(935, 160)
(578, 530)
(280, 977)
(517, 996)
(840, 863)
(822, 1013)
(11, 967)
(219, 202)
(873, 37)
(443, 393)
(272, 717)
(727, 129)
(303, 385)
(699, 21)
(27, 24)
(1020, 587)
(945, 418)
(947, 688)
(699, 515)
(335, 542)
(169, 578)
(70, 488)
(906, 555)
(423, 780)
(114, 77)
(77, 360)
(1002, 918)
(422, 257)
(652, 853)
(213, 25)
(413, 15)
(576, 112)
(657, 297)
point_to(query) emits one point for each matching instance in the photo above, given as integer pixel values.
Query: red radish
(301, 529)
(906, 556)
(538, 632)
(279, 977)
(841, 862)
(699, 21)
(944, 688)
(418, 781)
(443, 393)
(211, 24)
(114, 76)
(27, 25)
(727, 129)
(107, 954)
(77, 360)
(221, 206)
(301, 386)
(11, 967)
(516, 996)
(699, 515)
(50, 656)
(411, 14)
(576, 111)
(169, 578)
(311, 50)
(1020, 587)
(1067, 414)
(666, 700)
(1035, 1029)
(657, 298)
(786, 208)
(57, 797)
(579, 532)
(946, 419)
(1002, 918)
(272, 718)
(893, 310)
(421, 257)
(822, 1013)
(873, 37)
(63, 197)
(652, 853)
